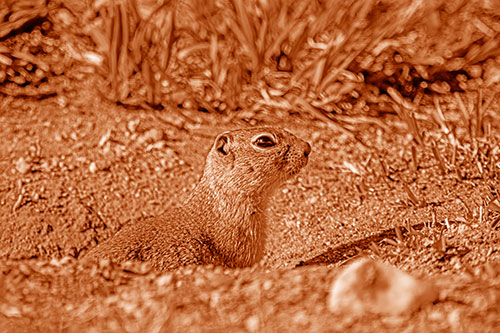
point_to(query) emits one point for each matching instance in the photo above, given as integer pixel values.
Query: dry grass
(333, 57)
(337, 55)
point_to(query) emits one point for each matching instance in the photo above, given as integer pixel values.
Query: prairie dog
(223, 220)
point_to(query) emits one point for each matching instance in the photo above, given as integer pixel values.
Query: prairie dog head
(254, 160)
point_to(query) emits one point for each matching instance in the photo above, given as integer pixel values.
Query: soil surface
(74, 171)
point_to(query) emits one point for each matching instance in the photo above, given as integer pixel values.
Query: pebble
(157, 145)
(22, 166)
(10, 311)
(105, 138)
(164, 279)
(369, 286)
(267, 285)
(132, 125)
(252, 323)
(93, 167)
(151, 136)
(214, 299)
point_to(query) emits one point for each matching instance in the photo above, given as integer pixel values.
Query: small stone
(187, 104)
(10, 311)
(105, 138)
(369, 286)
(300, 317)
(313, 200)
(454, 319)
(153, 135)
(164, 279)
(267, 285)
(107, 148)
(22, 166)
(132, 125)
(93, 167)
(156, 146)
(61, 101)
(252, 323)
(214, 299)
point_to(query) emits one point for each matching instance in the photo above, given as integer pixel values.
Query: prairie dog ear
(223, 144)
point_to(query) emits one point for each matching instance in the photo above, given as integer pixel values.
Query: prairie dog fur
(223, 220)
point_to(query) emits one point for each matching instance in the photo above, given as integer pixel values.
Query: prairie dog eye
(264, 141)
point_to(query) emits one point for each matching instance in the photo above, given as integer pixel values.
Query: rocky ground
(74, 170)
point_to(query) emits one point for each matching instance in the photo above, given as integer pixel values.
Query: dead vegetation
(339, 57)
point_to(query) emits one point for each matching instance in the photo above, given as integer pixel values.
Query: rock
(22, 166)
(164, 280)
(105, 138)
(132, 125)
(93, 167)
(157, 145)
(151, 136)
(252, 323)
(369, 286)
